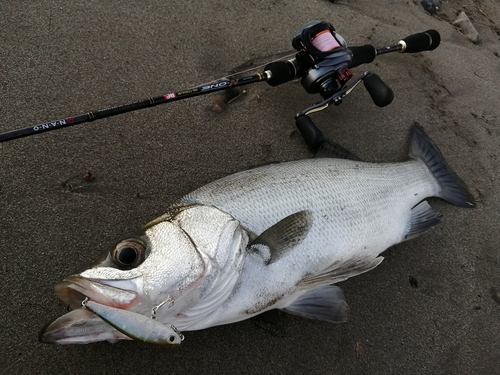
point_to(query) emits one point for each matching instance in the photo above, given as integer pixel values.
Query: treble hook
(170, 301)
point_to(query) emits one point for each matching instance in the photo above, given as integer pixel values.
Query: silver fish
(273, 237)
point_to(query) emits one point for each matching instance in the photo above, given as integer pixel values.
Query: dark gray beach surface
(433, 305)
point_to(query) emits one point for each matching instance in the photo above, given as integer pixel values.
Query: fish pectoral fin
(274, 242)
(423, 217)
(326, 303)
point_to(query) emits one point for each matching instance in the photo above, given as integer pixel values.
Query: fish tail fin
(453, 189)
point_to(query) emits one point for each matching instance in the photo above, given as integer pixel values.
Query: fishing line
(324, 41)
(246, 71)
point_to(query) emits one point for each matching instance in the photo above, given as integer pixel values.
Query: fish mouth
(74, 289)
(81, 326)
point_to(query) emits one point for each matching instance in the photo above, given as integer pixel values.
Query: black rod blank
(124, 108)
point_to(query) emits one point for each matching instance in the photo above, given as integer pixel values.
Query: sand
(430, 308)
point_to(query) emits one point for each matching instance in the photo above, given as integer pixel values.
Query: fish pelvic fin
(326, 303)
(340, 270)
(453, 189)
(275, 241)
(423, 217)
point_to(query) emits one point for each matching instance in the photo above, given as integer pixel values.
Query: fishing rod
(323, 63)
(124, 108)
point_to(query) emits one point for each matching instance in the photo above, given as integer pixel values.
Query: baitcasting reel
(322, 60)
(322, 64)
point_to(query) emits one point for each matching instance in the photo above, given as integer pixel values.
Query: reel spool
(322, 59)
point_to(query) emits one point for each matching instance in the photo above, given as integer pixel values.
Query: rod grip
(280, 73)
(426, 41)
(362, 55)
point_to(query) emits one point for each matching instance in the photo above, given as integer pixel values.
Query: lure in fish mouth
(275, 237)
(75, 291)
(138, 281)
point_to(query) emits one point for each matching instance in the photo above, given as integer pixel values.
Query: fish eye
(128, 253)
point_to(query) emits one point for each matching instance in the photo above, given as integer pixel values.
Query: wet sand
(430, 308)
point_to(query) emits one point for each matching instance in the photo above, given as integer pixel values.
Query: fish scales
(343, 195)
(359, 209)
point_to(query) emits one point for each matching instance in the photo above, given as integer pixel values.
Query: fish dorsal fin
(423, 217)
(274, 242)
(324, 303)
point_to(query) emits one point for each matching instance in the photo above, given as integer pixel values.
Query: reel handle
(317, 142)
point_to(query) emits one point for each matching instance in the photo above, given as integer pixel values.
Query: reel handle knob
(380, 93)
(310, 132)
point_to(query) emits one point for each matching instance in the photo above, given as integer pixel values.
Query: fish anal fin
(325, 303)
(274, 242)
(423, 217)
